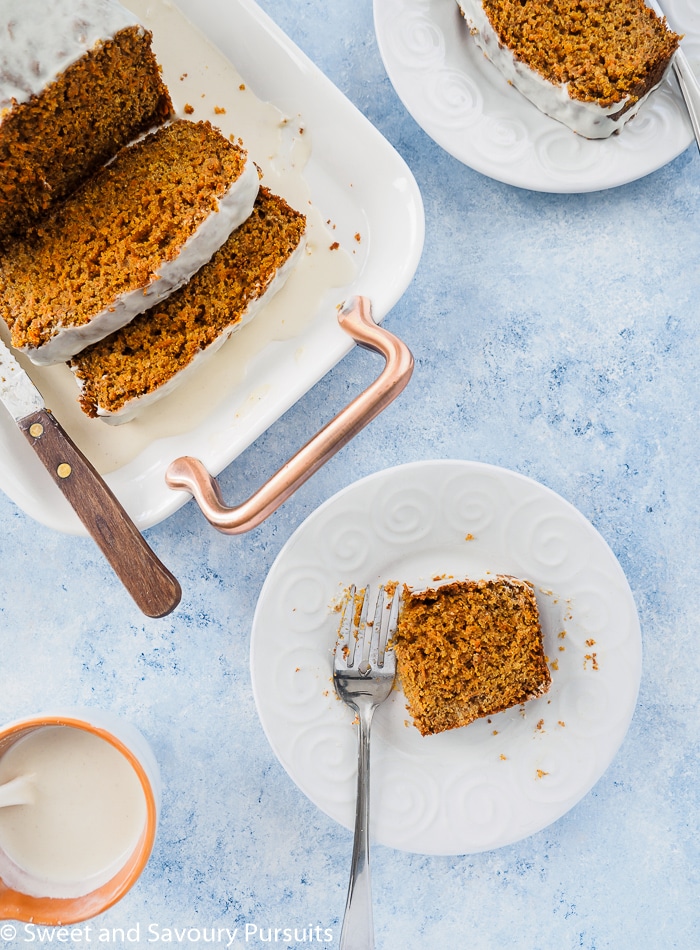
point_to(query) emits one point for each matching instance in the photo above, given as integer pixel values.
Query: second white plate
(500, 779)
(467, 107)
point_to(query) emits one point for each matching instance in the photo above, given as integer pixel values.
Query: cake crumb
(188, 109)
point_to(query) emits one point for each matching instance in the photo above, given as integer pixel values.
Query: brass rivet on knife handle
(188, 474)
(150, 583)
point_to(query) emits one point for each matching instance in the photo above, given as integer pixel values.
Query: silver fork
(686, 78)
(363, 674)
(690, 90)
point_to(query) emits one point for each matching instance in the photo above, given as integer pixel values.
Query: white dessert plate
(317, 150)
(499, 779)
(467, 107)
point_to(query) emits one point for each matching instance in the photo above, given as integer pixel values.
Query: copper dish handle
(188, 474)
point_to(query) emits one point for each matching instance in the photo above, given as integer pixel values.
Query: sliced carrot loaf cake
(130, 235)
(468, 649)
(146, 359)
(78, 80)
(588, 63)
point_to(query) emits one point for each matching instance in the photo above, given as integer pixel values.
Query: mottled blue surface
(557, 336)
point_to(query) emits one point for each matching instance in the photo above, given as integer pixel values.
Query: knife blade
(154, 589)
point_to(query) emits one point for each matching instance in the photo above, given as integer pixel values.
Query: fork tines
(362, 643)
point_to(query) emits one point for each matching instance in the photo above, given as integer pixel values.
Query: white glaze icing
(40, 39)
(132, 408)
(589, 119)
(233, 209)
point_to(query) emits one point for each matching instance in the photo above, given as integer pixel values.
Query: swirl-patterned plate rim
(526, 767)
(462, 102)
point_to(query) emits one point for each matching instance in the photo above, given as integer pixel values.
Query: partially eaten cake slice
(468, 649)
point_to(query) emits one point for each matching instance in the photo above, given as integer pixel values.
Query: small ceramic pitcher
(20, 902)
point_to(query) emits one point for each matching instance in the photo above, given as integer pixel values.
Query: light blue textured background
(557, 336)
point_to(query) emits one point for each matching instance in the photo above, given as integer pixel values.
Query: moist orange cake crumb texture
(469, 649)
(53, 142)
(156, 346)
(604, 50)
(112, 234)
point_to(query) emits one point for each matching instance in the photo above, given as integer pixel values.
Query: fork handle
(690, 90)
(358, 924)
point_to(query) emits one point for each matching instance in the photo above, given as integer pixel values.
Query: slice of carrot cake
(146, 359)
(78, 80)
(469, 649)
(588, 63)
(127, 238)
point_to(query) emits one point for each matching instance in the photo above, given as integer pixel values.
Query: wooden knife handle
(153, 587)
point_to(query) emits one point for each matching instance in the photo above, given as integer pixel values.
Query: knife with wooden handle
(152, 586)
